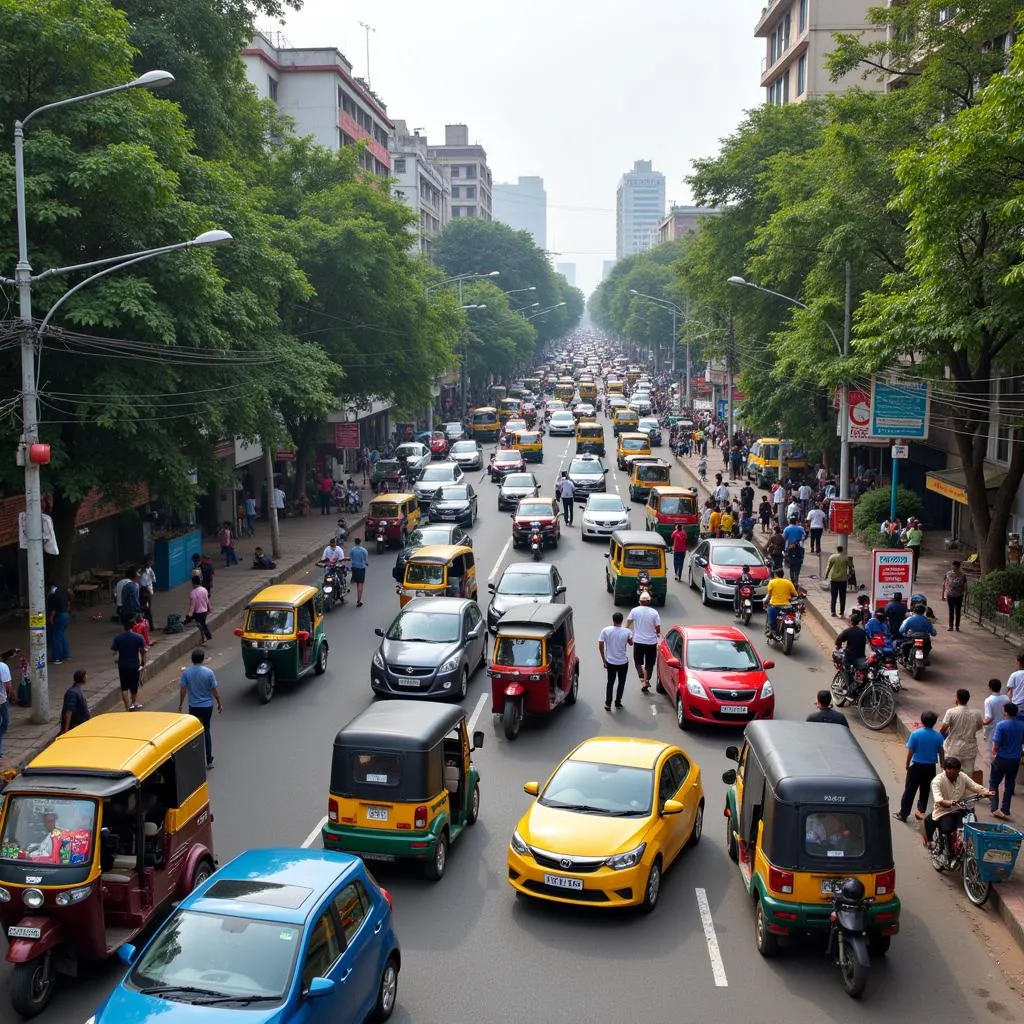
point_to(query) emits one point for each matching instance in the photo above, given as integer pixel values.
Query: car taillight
(780, 881)
(332, 810)
(387, 896)
(885, 883)
(420, 817)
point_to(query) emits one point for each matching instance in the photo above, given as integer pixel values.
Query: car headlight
(518, 845)
(32, 898)
(695, 687)
(630, 859)
(767, 690)
(717, 579)
(450, 665)
(378, 660)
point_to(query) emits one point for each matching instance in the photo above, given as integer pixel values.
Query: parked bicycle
(872, 685)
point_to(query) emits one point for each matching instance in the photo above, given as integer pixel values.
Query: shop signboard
(900, 410)
(890, 574)
(346, 435)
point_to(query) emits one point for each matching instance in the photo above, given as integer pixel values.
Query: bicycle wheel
(976, 890)
(876, 706)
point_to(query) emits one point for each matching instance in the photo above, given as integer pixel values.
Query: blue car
(278, 935)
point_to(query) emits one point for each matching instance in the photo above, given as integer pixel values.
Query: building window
(399, 164)
(455, 211)
(456, 192)
(802, 20)
(272, 87)
(1008, 394)
(471, 191)
(801, 75)
(471, 170)
(455, 171)
(469, 211)
(786, 24)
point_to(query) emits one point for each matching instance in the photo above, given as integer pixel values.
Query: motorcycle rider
(853, 642)
(895, 612)
(745, 580)
(780, 593)
(333, 554)
(878, 626)
(949, 787)
(918, 623)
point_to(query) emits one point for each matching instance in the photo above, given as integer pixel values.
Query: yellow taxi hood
(582, 835)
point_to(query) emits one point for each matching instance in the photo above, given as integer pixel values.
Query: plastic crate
(996, 847)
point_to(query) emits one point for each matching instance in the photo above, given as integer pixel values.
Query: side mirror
(304, 635)
(531, 788)
(729, 777)
(475, 631)
(733, 753)
(238, 632)
(607, 554)
(672, 807)
(478, 739)
(127, 953)
(672, 663)
(559, 590)
(378, 631)
(767, 665)
(318, 988)
(606, 469)
(492, 587)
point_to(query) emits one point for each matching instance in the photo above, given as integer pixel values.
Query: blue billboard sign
(723, 408)
(900, 410)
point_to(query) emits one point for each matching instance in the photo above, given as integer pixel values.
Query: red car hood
(730, 680)
(759, 574)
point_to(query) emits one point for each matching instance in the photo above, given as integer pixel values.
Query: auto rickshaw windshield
(384, 511)
(56, 830)
(270, 621)
(424, 574)
(518, 652)
(642, 558)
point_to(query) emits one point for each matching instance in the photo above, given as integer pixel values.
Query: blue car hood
(125, 1006)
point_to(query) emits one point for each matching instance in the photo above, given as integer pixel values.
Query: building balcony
(769, 72)
(771, 15)
(352, 128)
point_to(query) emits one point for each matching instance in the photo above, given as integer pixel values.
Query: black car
(454, 503)
(524, 583)
(431, 650)
(433, 533)
(587, 474)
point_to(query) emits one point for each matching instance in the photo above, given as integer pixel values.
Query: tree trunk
(64, 513)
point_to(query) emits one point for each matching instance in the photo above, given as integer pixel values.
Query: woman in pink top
(198, 609)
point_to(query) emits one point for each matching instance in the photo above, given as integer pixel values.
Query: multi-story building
(639, 208)
(465, 167)
(568, 271)
(524, 207)
(607, 266)
(682, 221)
(315, 87)
(798, 38)
(420, 184)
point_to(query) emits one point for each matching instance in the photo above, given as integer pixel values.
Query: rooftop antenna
(368, 29)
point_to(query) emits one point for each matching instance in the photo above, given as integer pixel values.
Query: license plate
(384, 857)
(830, 886)
(409, 683)
(559, 882)
(733, 709)
(919, 655)
(16, 932)
(377, 813)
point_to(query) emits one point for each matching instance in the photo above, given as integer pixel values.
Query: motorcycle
(353, 501)
(873, 684)
(382, 540)
(847, 935)
(745, 605)
(536, 541)
(330, 585)
(787, 626)
(911, 655)
(643, 584)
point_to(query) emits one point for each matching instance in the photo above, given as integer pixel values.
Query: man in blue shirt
(1007, 742)
(357, 557)
(877, 626)
(130, 649)
(919, 623)
(199, 684)
(793, 536)
(924, 752)
(895, 613)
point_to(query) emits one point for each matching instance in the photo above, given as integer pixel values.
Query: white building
(639, 209)
(464, 164)
(420, 184)
(523, 206)
(315, 87)
(568, 271)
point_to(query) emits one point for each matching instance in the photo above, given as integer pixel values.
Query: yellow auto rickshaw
(99, 835)
(625, 419)
(590, 438)
(646, 472)
(630, 443)
(439, 570)
(668, 507)
(509, 409)
(398, 514)
(529, 444)
(771, 456)
(636, 562)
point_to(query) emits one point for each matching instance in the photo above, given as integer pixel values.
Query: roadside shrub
(984, 594)
(872, 509)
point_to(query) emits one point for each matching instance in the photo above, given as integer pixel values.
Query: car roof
(631, 752)
(316, 871)
(525, 568)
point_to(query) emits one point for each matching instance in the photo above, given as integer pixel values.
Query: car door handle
(344, 977)
(379, 925)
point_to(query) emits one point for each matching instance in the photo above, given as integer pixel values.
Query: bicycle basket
(996, 847)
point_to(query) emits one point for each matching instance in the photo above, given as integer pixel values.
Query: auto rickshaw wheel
(265, 687)
(767, 943)
(203, 871)
(730, 841)
(321, 659)
(608, 584)
(434, 868)
(652, 888)
(474, 806)
(32, 985)
(574, 692)
(512, 718)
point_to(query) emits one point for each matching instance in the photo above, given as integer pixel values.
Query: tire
(698, 827)
(658, 686)
(321, 659)
(574, 692)
(975, 889)
(854, 975)
(876, 707)
(265, 687)
(652, 888)
(681, 720)
(787, 643)
(32, 985)
(463, 691)
(916, 670)
(704, 600)
(767, 943)
(202, 873)
(746, 617)
(474, 806)
(689, 575)
(435, 867)
(731, 846)
(608, 584)
(512, 718)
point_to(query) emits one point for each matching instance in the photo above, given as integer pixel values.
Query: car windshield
(436, 473)
(677, 506)
(514, 458)
(409, 451)
(642, 558)
(424, 574)
(50, 830)
(584, 467)
(515, 652)
(834, 834)
(197, 957)
(464, 448)
(534, 584)
(739, 555)
(519, 480)
(596, 788)
(721, 656)
(485, 418)
(563, 417)
(649, 424)
(423, 628)
(270, 621)
(605, 503)
(534, 508)
(453, 494)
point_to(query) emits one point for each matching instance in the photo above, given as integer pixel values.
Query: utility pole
(844, 402)
(368, 29)
(689, 369)
(275, 526)
(728, 372)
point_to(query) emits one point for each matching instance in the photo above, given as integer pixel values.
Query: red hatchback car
(438, 444)
(713, 674)
(536, 510)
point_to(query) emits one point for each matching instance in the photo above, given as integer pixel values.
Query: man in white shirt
(993, 713)
(949, 787)
(333, 554)
(794, 510)
(612, 646)
(1015, 684)
(804, 493)
(645, 626)
(722, 494)
(816, 524)
(960, 726)
(279, 500)
(779, 500)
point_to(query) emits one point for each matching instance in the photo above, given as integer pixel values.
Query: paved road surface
(474, 953)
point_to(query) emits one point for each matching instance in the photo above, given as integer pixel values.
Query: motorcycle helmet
(853, 890)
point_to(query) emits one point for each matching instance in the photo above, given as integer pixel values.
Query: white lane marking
(475, 717)
(654, 709)
(311, 838)
(717, 965)
(501, 558)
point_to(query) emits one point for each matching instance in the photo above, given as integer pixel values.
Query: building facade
(568, 271)
(523, 206)
(639, 208)
(683, 221)
(607, 266)
(798, 38)
(315, 87)
(420, 184)
(465, 167)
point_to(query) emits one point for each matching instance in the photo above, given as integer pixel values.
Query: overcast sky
(571, 90)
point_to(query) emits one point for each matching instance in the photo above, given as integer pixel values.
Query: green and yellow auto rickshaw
(636, 562)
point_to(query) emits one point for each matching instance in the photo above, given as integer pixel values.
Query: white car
(584, 410)
(433, 477)
(562, 423)
(416, 456)
(603, 514)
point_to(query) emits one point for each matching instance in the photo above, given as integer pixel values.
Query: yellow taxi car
(607, 824)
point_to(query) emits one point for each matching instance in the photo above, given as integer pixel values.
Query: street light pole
(728, 374)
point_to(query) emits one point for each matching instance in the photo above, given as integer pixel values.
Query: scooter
(536, 541)
(847, 935)
(341, 532)
(745, 606)
(382, 540)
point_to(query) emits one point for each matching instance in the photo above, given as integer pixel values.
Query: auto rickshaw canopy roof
(117, 745)
(400, 725)
(639, 539)
(438, 553)
(533, 620)
(284, 594)
(672, 491)
(390, 499)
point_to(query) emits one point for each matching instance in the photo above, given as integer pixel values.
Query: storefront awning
(951, 483)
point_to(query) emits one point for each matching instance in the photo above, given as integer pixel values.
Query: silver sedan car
(514, 487)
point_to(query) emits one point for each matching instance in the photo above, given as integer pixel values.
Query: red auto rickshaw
(397, 515)
(534, 667)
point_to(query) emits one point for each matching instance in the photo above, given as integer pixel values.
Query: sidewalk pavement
(968, 658)
(91, 630)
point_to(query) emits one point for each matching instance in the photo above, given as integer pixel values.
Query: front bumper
(450, 515)
(727, 592)
(394, 681)
(591, 529)
(709, 710)
(521, 534)
(602, 887)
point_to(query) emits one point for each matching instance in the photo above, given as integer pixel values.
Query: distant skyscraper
(606, 268)
(568, 271)
(523, 206)
(639, 208)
